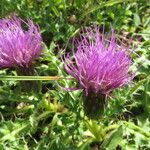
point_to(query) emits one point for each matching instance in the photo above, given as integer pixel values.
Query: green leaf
(136, 87)
(113, 140)
(85, 145)
(147, 97)
(107, 4)
(96, 129)
(137, 129)
(137, 20)
(9, 130)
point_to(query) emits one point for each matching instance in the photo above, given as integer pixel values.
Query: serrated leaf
(113, 140)
(96, 130)
(136, 87)
(9, 130)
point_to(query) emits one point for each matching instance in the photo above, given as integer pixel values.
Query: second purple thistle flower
(100, 65)
(20, 44)
(18, 47)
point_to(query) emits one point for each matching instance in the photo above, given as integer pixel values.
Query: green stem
(32, 78)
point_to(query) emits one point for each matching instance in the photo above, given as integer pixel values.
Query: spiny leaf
(114, 139)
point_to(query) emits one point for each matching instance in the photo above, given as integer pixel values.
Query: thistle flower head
(18, 47)
(99, 63)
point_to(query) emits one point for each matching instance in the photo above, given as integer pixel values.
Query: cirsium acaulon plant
(20, 44)
(100, 65)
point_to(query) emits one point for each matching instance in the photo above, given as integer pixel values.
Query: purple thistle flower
(100, 65)
(18, 47)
